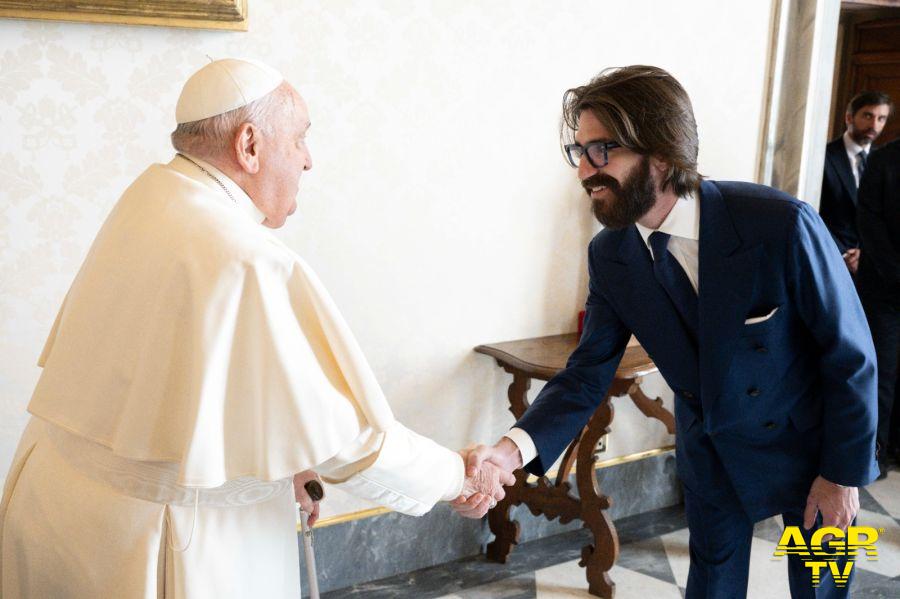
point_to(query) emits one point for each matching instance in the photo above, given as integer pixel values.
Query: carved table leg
(651, 408)
(556, 501)
(600, 557)
(505, 529)
(518, 392)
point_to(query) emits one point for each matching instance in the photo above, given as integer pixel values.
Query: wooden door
(870, 60)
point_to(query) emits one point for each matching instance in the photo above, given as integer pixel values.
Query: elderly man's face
(286, 157)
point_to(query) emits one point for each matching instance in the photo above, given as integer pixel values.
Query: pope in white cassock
(196, 366)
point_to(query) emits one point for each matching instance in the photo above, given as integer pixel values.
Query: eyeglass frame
(606, 145)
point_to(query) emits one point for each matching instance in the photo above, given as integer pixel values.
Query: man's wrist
(830, 482)
(522, 440)
(511, 456)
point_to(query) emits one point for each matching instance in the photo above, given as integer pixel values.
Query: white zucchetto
(224, 85)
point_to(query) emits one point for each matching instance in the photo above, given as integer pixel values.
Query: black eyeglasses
(597, 153)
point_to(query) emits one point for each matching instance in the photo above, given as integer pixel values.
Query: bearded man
(741, 297)
(845, 162)
(196, 367)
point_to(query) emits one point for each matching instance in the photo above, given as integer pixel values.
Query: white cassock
(195, 366)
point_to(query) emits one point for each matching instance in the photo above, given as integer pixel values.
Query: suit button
(761, 349)
(770, 425)
(687, 395)
(753, 392)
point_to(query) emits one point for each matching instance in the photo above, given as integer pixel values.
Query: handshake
(488, 470)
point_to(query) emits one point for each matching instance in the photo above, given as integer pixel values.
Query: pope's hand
(487, 470)
(302, 497)
(837, 504)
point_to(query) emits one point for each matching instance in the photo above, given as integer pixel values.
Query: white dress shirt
(683, 224)
(853, 150)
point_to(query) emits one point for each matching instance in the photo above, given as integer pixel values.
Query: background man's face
(622, 191)
(865, 126)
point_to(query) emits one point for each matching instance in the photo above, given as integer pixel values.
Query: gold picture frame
(195, 14)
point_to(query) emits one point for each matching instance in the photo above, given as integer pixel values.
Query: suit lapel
(840, 162)
(728, 271)
(651, 315)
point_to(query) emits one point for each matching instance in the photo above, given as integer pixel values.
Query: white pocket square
(758, 319)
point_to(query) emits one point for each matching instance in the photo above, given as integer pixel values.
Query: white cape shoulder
(192, 335)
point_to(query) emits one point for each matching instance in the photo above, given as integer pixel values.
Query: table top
(543, 357)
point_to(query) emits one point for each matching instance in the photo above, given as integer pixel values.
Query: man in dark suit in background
(740, 296)
(845, 162)
(879, 285)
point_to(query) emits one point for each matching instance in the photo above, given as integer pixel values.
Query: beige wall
(439, 211)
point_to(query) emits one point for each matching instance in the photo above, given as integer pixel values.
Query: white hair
(209, 137)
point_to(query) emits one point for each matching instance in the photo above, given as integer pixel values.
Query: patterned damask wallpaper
(439, 211)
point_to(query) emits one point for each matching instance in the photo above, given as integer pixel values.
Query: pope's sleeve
(397, 468)
(386, 462)
(826, 301)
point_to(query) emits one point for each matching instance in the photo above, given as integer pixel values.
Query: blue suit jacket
(761, 409)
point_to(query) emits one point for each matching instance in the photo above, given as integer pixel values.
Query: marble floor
(653, 561)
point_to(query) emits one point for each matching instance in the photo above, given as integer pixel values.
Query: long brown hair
(647, 111)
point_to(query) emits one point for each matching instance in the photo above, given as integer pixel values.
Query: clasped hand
(487, 472)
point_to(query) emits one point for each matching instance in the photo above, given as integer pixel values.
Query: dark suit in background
(879, 278)
(838, 201)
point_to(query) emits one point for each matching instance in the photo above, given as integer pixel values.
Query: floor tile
(768, 576)
(653, 563)
(887, 493)
(868, 502)
(888, 545)
(769, 529)
(567, 581)
(678, 552)
(869, 585)
(647, 557)
(516, 587)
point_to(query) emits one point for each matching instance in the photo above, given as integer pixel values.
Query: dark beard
(630, 201)
(861, 137)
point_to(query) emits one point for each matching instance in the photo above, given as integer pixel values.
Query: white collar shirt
(683, 226)
(853, 149)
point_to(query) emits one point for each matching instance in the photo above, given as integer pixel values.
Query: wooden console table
(541, 358)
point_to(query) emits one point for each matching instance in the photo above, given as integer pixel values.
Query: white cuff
(524, 443)
(457, 480)
(410, 474)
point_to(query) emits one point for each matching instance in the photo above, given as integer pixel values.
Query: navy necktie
(861, 167)
(675, 281)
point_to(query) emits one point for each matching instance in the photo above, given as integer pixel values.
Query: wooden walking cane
(316, 493)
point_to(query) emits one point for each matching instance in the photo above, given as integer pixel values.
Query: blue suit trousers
(720, 554)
